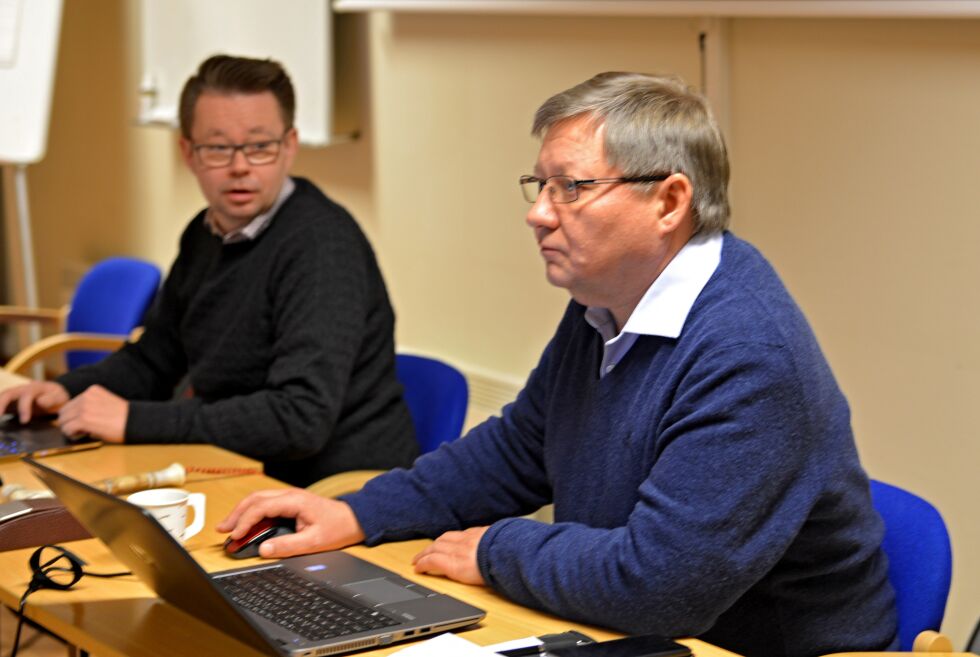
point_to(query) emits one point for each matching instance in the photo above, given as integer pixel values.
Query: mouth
(239, 194)
(550, 254)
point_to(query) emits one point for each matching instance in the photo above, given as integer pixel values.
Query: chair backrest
(437, 395)
(920, 560)
(111, 298)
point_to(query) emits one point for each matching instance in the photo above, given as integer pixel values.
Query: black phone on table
(644, 645)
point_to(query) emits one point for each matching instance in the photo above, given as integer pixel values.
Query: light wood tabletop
(123, 618)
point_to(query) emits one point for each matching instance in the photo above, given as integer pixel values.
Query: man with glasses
(275, 310)
(682, 420)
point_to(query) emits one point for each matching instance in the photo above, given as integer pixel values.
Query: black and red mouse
(247, 546)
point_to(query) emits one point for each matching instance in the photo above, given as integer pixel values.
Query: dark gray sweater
(287, 344)
(708, 486)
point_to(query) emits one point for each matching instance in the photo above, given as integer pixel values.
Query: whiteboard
(177, 35)
(29, 32)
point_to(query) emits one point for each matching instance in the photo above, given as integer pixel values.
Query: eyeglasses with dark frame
(256, 153)
(564, 189)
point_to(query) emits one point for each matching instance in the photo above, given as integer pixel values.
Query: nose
(239, 164)
(542, 213)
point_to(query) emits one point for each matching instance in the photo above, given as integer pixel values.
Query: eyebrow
(538, 170)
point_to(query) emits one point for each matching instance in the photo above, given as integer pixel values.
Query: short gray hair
(653, 124)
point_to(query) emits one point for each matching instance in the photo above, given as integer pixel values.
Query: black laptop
(39, 437)
(319, 604)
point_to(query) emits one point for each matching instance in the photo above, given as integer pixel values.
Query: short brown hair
(225, 74)
(653, 124)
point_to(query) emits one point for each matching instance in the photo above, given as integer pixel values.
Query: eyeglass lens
(560, 189)
(221, 155)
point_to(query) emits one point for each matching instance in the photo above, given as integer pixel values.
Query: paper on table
(526, 642)
(444, 645)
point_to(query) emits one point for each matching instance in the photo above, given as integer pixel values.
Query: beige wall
(854, 149)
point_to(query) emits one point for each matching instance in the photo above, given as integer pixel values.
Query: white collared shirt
(252, 229)
(665, 305)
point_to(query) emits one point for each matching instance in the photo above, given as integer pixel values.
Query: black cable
(41, 579)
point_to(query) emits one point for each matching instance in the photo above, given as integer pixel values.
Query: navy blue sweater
(709, 486)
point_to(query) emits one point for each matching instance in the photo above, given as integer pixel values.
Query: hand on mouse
(321, 523)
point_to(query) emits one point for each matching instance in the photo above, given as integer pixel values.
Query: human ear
(291, 138)
(290, 144)
(186, 151)
(674, 202)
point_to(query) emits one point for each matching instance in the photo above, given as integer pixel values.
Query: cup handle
(196, 502)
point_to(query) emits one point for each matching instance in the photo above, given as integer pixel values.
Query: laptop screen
(154, 556)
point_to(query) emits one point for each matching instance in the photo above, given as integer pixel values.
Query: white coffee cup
(169, 507)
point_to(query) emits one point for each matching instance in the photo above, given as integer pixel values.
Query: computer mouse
(247, 546)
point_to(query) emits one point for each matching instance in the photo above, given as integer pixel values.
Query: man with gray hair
(682, 420)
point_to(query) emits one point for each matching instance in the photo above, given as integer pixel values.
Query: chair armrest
(11, 380)
(62, 342)
(10, 314)
(930, 641)
(899, 654)
(343, 482)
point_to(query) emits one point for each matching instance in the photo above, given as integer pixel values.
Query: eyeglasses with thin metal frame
(256, 153)
(564, 189)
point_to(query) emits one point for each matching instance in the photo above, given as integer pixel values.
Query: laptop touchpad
(380, 591)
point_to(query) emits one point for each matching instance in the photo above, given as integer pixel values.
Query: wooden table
(122, 617)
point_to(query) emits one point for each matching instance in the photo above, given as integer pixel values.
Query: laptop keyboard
(9, 444)
(301, 605)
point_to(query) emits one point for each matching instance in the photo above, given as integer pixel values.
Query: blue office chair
(107, 305)
(919, 559)
(436, 395)
(111, 298)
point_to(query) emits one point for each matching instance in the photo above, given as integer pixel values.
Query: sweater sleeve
(495, 471)
(318, 290)
(719, 507)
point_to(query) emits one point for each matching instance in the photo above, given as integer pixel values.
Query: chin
(559, 278)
